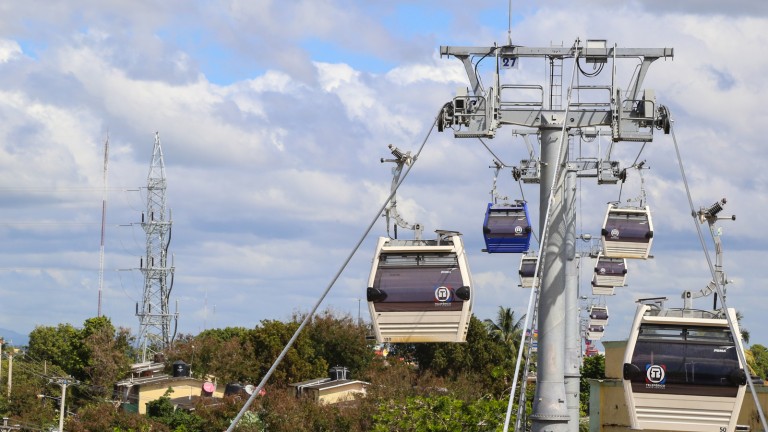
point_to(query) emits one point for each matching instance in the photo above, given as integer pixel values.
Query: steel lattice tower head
(154, 313)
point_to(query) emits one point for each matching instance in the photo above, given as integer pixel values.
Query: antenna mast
(103, 223)
(154, 314)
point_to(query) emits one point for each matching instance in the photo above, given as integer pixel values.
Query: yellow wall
(181, 387)
(338, 394)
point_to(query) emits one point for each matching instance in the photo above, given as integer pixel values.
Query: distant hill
(17, 339)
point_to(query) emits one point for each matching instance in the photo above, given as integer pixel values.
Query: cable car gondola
(598, 315)
(527, 270)
(610, 272)
(627, 232)
(595, 332)
(602, 290)
(682, 371)
(420, 290)
(506, 228)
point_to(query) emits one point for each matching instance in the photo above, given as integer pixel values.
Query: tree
(104, 416)
(301, 361)
(485, 358)
(60, 346)
(506, 329)
(760, 360)
(96, 355)
(340, 341)
(440, 414)
(744, 332)
(106, 354)
(592, 367)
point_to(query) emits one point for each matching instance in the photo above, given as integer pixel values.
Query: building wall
(181, 387)
(607, 408)
(338, 394)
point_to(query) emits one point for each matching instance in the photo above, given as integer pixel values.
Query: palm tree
(744, 332)
(506, 329)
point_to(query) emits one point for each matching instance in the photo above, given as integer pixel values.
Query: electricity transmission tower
(154, 314)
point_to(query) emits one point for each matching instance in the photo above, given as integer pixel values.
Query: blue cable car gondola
(682, 371)
(420, 290)
(627, 232)
(507, 228)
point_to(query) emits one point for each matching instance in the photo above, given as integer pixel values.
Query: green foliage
(759, 363)
(105, 417)
(484, 357)
(440, 413)
(506, 329)
(419, 387)
(592, 368)
(340, 341)
(163, 411)
(97, 354)
(236, 354)
(61, 346)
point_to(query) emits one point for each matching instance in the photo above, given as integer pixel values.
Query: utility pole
(154, 314)
(628, 115)
(103, 224)
(5, 427)
(63, 383)
(10, 372)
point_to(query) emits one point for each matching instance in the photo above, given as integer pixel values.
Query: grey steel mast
(629, 115)
(154, 313)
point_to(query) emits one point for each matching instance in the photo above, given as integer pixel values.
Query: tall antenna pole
(154, 313)
(103, 222)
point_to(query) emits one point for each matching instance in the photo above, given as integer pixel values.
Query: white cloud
(9, 49)
(273, 174)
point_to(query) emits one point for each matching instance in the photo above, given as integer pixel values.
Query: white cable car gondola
(627, 232)
(598, 315)
(682, 371)
(420, 290)
(527, 270)
(610, 272)
(595, 332)
(506, 228)
(603, 290)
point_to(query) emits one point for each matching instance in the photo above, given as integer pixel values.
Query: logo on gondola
(518, 229)
(602, 270)
(655, 376)
(615, 233)
(443, 294)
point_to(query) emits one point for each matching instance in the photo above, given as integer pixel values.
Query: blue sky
(273, 117)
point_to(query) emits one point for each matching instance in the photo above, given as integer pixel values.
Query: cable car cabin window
(610, 267)
(505, 223)
(419, 282)
(627, 227)
(527, 268)
(685, 361)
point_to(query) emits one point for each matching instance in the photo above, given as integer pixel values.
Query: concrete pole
(10, 372)
(550, 412)
(61, 409)
(572, 338)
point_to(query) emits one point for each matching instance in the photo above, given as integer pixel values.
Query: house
(335, 388)
(148, 382)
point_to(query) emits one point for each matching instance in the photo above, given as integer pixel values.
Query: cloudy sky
(273, 118)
